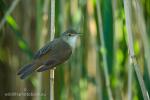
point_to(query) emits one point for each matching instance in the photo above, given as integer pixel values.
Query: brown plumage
(51, 55)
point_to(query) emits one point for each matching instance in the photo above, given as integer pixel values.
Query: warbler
(52, 54)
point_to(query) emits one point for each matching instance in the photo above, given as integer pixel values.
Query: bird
(52, 54)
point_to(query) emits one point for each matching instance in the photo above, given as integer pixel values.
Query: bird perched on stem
(52, 54)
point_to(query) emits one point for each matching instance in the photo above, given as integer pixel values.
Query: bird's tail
(26, 70)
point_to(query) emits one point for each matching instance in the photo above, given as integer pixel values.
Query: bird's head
(70, 33)
(70, 36)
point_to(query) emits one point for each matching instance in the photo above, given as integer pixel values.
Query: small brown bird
(52, 54)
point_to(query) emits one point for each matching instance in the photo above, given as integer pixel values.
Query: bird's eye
(69, 34)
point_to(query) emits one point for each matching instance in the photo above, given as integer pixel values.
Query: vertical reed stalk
(52, 34)
(127, 8)
(104, 54)
(130, 75)
(143, 32)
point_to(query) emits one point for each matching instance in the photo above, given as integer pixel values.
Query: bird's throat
(71, 41)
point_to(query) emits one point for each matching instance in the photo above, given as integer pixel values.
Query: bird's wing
(59, 54)
(45, 49)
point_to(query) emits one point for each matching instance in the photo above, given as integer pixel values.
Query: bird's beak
(79, 34)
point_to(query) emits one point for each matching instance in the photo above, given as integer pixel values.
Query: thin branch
(12, 7)
(52, 34)
(104, 54)
(127, 7)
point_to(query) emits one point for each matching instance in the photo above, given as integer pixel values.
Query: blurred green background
(100, 64)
